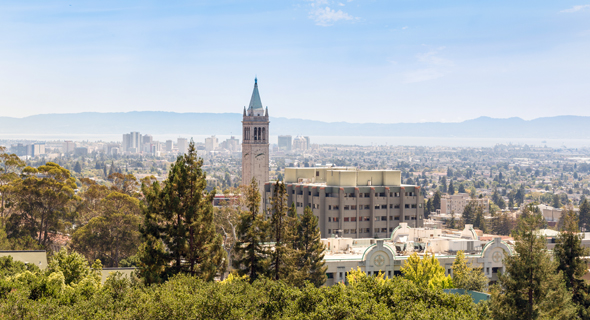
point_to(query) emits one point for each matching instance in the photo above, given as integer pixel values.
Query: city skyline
(399, 62)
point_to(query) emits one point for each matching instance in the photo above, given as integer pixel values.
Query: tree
(584, 222)
(436, 200)
(443, 184)
(469, 213)
(10, 166)
(480, 221)
(310, 250)
(78, 167)
(531, 288)
(568, 253)
(250, 254)
(452, 221)
(112, 236)
(465, 276)
(227, 218)
(426, 272)
(461, 188)
(180, 215)
(45, 199)
(451, 188)
(282, 255)
(556, 203)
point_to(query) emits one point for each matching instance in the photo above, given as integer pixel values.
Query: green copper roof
(255, 102)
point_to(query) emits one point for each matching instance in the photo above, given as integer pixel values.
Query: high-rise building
(169, 145)
(299, 143)
(352, 203)
(255, 141)
(232, 144)
(135, 142)
(285, 143)
(182, 144)
(308, 141)
(68, 146)
(211, 143)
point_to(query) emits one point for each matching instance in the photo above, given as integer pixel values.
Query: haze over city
(354, 61)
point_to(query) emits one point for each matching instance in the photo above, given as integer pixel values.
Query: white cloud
(341, 4)
(324, 16)
(576, 8)
(404, 28)
(421, 75)
(431, 57)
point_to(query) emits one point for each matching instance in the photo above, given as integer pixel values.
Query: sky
(385, 61)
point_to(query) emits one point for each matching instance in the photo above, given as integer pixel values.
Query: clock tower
(255, 142)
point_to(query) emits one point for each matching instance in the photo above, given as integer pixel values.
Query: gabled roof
(255, 102)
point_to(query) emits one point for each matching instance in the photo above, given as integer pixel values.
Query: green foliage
(310, 264)
(531, 288)
(436, 200)
(585, 215)
(568, 253)
(180, 215)
(250, 254)
(426, 272)
(465, 276)
(282, 257)
(185, 297)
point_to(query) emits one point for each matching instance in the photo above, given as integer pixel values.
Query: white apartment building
(456, 203)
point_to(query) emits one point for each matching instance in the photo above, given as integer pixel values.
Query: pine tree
(584, 222)
(480, 221)
(469, 212)
(436, 200)
(250, 254)
(531, 288)
(465, 276)
(310, 250)
(282, 256)
(452, 222)
(180, 215)
(461, 188)
(451, 188)
(78, 167)
(568, 253)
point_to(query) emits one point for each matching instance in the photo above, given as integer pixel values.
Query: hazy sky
(356, 61)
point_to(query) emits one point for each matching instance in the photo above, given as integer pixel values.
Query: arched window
(259, 135)
(255, 134)
(264, 134)
(245, 136)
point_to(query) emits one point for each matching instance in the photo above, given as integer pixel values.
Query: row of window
(363, 230)
(363, 195)
(365, 218)
(368, 207)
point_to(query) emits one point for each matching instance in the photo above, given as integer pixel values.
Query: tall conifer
(250, 254)
(180, 215)
(310, 249)
(281, 257)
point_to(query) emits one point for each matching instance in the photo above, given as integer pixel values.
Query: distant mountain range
(156, 122)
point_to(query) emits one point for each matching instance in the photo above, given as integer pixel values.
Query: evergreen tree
(556, 203)
(452, 222)
(104, 171)
(310, 250)
(436, 200)
(282, 256)
(78, 167)
(451, 188)
(568, 253)
(180, 215)
(469, 213)
(480, 221)
(250, 254)
(461, 188)
(443, 184)
(429, 208)
(531, 288)
(584, 222)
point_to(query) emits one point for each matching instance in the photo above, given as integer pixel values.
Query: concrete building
(549, 213)
(352, 203)
(285, 143)
(255, 126)
(182, 145)
(68, 146)
(211, 143)
(232, 144)
(389, 254)
(457, 202)
(169, 145)
(299, 143)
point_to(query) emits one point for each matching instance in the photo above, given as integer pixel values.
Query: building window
(353, 207)
(336, 208)
(407, 218)
(329, 231)
(376, 230)
(396, 194)
(353, 231)
(414, 206)
(330, 207)
(329, 219)
(376, 207)
(330, 275)
(376, 218)
(335, 219)
(367, 207)
(346, 219)
(395, 218)
(352, 219)
(382, 194)
(346, 207)
(390, 229)
(407, 206)
(391, 194)
(345, 231)
(383, 206)
(396, 206)
(383, 218)
(420, 205)
(367, 195)
(384, 230)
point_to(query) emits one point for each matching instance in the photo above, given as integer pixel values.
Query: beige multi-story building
(352, 203)
(457, 202)
(211, 143)
(255, 141)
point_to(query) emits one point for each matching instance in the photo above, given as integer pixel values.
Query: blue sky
(382, 61)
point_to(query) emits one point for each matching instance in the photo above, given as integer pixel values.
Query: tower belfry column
(255, 158)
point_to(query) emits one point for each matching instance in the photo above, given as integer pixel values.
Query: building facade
(255, 126)
(352, 203)
(457, 202)
(285, 143)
